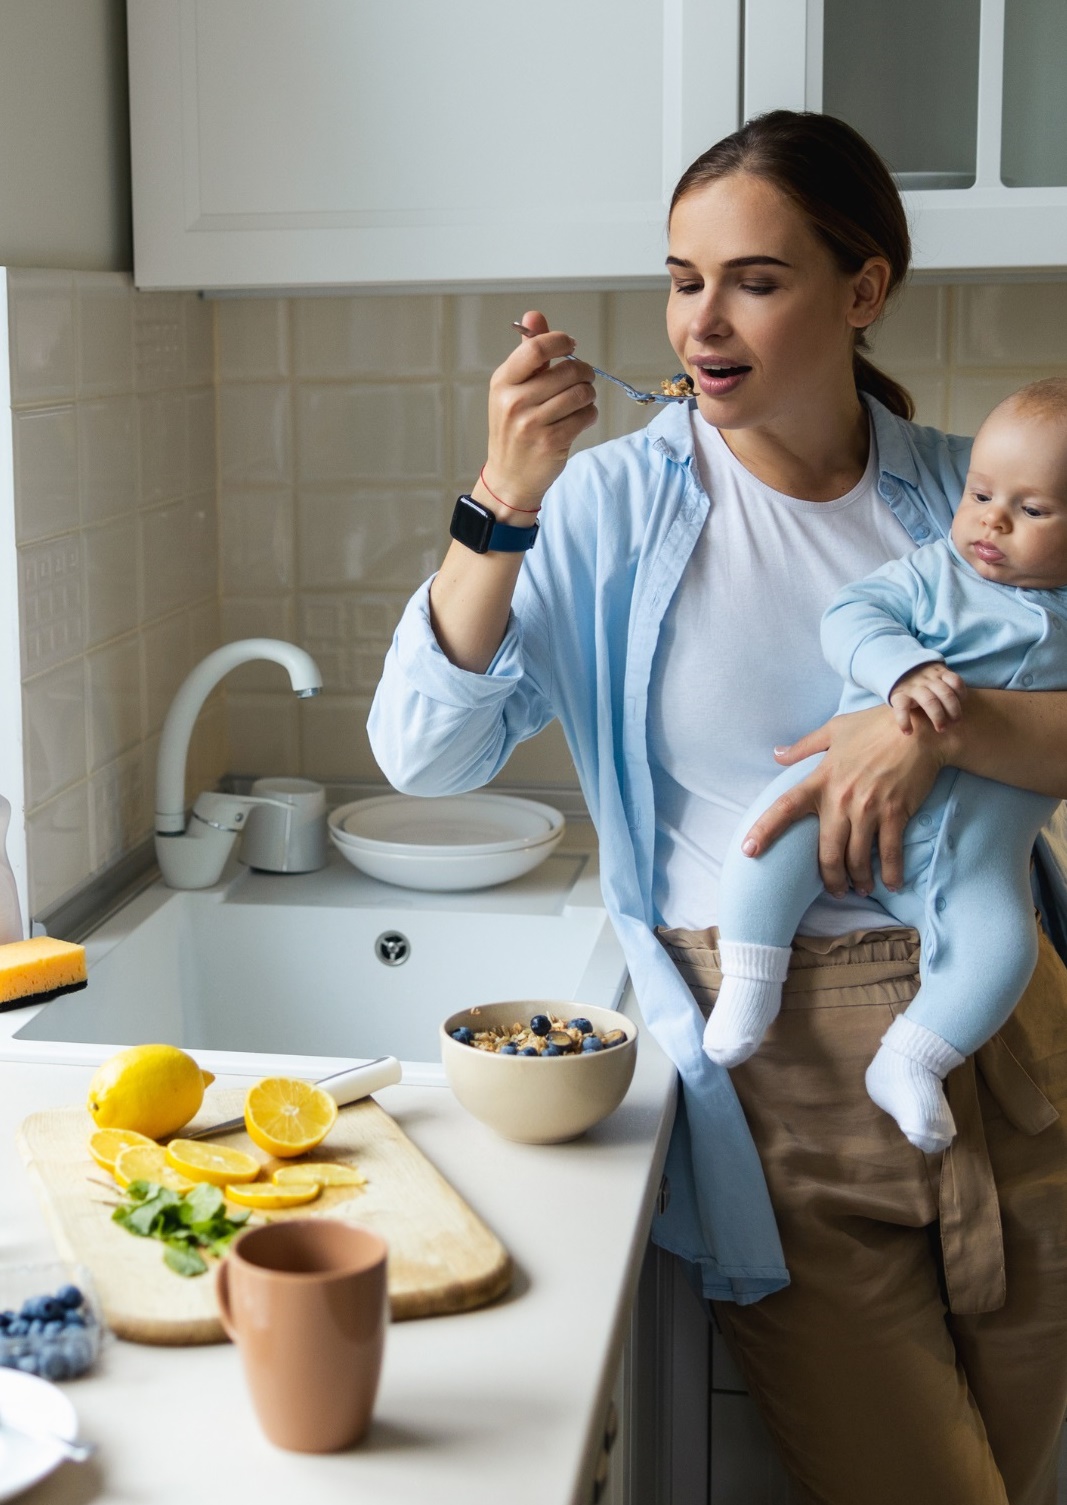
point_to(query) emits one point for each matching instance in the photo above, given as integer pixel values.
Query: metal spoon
(625, 385)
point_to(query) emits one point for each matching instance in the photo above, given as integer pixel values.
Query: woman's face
(758, 312)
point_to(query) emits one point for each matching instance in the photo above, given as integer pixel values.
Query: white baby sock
(750, 997)
(905, 1080)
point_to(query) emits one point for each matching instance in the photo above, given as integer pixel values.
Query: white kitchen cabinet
(310, 143)
(963, 98)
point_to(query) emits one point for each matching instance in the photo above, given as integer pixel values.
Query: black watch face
(472, 525)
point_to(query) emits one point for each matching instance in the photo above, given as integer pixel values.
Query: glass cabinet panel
(906, 76)
(1034, 140)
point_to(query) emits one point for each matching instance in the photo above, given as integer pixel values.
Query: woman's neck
(817, 462)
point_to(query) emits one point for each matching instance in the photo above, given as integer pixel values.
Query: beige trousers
(919, 1354)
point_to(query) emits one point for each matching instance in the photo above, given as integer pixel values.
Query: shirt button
(939, 905)
(1056, 624)
(924, 820)
(1028, 679)
(922, 532)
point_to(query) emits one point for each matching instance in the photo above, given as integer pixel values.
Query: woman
(668, 616)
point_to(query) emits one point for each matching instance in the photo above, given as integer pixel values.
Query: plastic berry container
(50, 1320)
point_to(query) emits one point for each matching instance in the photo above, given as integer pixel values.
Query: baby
(987, 608)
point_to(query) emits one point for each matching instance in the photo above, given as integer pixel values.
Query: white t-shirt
(739, 669)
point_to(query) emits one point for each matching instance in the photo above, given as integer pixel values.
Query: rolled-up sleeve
(437, 729)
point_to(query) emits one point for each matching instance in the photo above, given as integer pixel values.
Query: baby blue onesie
(967, 850)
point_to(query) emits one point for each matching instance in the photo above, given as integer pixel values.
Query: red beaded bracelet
(500, 499)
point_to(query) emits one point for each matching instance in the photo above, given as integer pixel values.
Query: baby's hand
(933, 690)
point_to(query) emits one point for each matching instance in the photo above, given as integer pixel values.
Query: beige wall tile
(974, 395)
(484, 336)
(637, 334)
(159, 340)
(378, 337)
(162, 441)
(256, 541)
(367, 537)
(1016, 324)
(543, 760)
(262, 733)
(334, 742)
(115, 717)
(41, 315)
(200, 436)
(914, 331)
(53, 709)
(108, 467)
(168, 560)
(256, 617)
(51, 603)
(253, 338)
(59, 853)
(46, 472)
(255, 439)
(199, 339)
(167, 661)
(370, 433)
(104, 306)
(119, 811)
(112, 580)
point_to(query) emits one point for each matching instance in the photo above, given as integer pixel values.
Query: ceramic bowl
(534, 1099)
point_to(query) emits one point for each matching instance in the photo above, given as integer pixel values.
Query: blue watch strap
(505, 539)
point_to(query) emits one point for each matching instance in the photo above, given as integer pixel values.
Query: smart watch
(476, 528)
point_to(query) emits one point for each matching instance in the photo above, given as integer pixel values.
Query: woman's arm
(536, 411)
(874, 778)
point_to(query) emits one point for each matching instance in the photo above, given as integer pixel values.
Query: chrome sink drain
(392, 948)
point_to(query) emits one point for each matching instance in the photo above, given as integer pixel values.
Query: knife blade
(344, 1087)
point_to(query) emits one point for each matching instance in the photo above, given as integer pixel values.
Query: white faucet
(195, 857)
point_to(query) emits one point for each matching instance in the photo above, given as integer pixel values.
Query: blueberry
(36, 1327)
(50, 1309)
(74, 1319)
(52, 1363)
(53, 1329)
(551, 1050)
(69, 1296)
(580, 1024)
(28, 1364)
(591, 1043)
(510, 1049)
(19, 1328)
(463, 1035)
(540, 1024)
(78, 1352)
(529, 1050)
(28, 1309)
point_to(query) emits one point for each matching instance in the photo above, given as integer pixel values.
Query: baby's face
(1011, 525)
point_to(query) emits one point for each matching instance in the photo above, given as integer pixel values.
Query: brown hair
(842, 187)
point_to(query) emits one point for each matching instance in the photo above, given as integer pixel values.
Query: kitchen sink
(303, 974)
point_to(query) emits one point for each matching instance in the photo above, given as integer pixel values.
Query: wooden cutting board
(442, 1258)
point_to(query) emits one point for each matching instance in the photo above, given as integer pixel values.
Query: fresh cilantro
(185, 1222)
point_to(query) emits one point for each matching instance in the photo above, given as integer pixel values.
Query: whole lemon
(154, 1089)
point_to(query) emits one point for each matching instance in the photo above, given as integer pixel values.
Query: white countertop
(506, 1403)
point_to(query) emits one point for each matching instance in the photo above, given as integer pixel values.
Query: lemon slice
(147, 1162)
(287, 1117)
(105, 1144)
(216, 1163)
(269, 1198)
(326, 1173)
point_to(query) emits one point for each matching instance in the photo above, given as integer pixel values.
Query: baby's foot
(748, 1000)
(905, 1080)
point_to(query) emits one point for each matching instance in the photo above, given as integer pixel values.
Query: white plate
(27, 1401)
(445, 870)
(460, 824)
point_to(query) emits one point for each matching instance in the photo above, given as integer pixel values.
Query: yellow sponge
(43, 965)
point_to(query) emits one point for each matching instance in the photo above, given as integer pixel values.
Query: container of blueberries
(50, 1322)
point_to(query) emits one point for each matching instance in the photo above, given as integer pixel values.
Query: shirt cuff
(431, 673)
(880, 666)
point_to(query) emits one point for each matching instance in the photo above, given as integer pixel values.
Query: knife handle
(359, 1081)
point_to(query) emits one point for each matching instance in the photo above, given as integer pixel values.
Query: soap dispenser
(10, 915)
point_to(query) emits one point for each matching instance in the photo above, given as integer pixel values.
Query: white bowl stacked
(455, 842)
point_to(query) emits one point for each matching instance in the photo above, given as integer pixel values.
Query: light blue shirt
(618, 528)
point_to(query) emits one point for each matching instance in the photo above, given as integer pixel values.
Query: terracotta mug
(306, 1303)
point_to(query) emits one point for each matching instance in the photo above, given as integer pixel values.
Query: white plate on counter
(26, 1401)
(453, 842)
